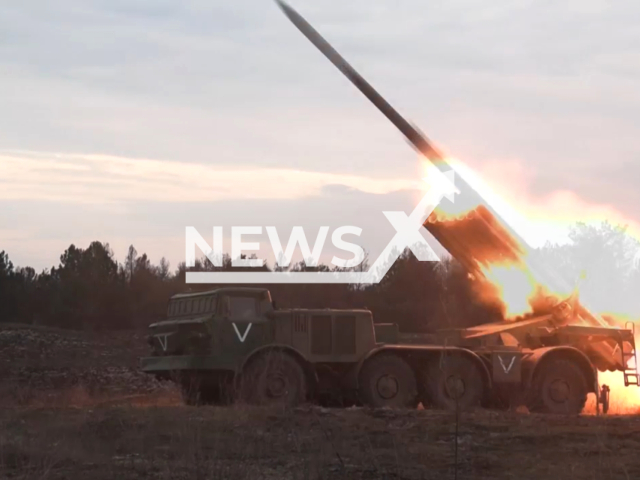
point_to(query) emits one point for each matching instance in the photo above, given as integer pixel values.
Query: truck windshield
(192, 306)
(243, 307)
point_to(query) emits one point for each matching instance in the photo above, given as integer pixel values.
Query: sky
(126, 121)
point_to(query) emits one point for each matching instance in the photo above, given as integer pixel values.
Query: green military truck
(231, 344)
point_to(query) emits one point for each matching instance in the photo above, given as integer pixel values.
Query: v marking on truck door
(242, 338)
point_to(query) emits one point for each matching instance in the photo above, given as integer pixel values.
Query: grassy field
(158, 438)
(73, 405)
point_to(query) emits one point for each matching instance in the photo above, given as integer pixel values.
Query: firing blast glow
(479, 229)
(602, 268)
(516, 287)
(601, 261)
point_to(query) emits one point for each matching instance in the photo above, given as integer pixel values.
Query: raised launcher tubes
(483, 237)
(493, 226)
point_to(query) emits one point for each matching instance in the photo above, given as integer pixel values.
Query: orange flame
(512, 284)
(516, 287)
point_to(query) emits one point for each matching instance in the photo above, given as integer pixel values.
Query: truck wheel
(558, 387)
(275, 378)
(388, 381)
(457, 383)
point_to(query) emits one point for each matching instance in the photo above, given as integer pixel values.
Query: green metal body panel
(187, 362)
(506, 365)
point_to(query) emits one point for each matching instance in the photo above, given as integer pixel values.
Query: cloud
(102, 178)
(174, 100)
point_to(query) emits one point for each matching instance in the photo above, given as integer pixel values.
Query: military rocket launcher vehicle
(232, 344)
(481, 237)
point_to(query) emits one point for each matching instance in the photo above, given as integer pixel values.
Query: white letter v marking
(246, 332)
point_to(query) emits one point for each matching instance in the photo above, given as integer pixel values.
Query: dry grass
(78, 431)
(14, 395)
(126, 442)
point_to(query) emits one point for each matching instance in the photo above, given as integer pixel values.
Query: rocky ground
(42, 365)
(74, 406)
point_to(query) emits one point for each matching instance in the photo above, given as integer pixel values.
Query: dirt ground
(148, 440)
(75, 406)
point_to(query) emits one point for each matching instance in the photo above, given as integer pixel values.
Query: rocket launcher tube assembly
(504, 240)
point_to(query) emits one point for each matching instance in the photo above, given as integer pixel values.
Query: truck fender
(532, 363)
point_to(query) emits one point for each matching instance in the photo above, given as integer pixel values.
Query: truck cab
(218, 333)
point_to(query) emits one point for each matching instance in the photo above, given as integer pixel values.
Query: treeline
(91, 290)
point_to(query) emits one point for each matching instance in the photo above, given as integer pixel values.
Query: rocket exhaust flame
(485, 244)
(467, 194)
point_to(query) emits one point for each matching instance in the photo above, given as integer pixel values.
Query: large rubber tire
(559, 386)
(386, 380)
(274, 378)
(456, 382)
